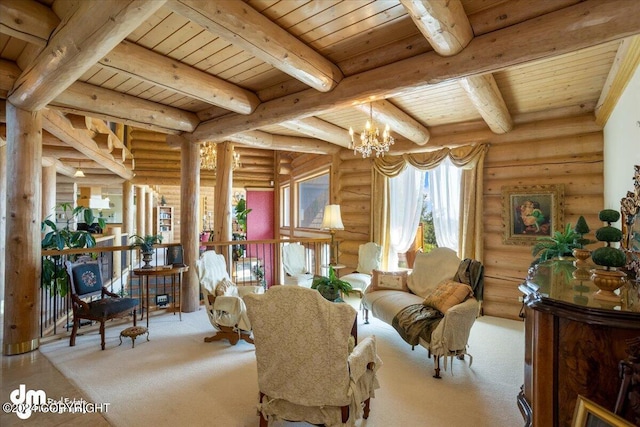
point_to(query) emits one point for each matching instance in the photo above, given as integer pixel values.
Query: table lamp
(332, 221)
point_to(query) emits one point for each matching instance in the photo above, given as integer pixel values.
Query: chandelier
(369, 141)
(208, 157)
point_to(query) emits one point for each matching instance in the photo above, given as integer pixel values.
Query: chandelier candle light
(332, 221)
(369, 141)
(208, 157)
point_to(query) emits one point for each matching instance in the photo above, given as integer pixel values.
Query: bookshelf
(164, 222)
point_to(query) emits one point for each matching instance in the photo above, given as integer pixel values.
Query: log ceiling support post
(149, 213)
(23, 252)
(3, 213)
(128, 211)
(140, 215)
(224, 181)
(49, 192)
(189, 237)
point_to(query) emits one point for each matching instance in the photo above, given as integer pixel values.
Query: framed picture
(529, 212)
(590, 414)
(630, 211)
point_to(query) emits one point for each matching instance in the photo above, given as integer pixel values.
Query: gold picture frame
(630, 211)
(590, 414)
(531, 211)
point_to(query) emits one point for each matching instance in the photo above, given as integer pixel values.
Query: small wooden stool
(133, 332)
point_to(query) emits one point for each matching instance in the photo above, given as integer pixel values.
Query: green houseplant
(608, 279)
(146, 246)
(54, 276)
(559, 245)
(331, 286)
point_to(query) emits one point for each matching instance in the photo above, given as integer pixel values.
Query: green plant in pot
(559, 245)
(579, 251)
(331, 286)
(146, 246)
(611, 258)
(54, 275)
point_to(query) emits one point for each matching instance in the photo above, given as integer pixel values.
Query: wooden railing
(249, 262)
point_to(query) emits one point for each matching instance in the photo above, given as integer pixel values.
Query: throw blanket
(416, 321)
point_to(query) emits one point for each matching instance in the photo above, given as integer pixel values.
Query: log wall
(576, 161)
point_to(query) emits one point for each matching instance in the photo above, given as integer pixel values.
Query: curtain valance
(465, 157)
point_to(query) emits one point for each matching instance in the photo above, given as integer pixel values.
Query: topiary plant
(581, 229)
(609, 256)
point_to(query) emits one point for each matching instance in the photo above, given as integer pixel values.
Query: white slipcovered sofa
(439, 278)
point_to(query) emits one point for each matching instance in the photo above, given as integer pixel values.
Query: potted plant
(331, 286)
(609, 257)
(54, 276)
(579, 251)
(146, 246)
(559, 245)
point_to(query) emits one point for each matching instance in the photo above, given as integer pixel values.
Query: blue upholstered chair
(92, 301)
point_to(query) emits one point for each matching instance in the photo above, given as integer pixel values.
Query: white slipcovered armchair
(223, 299)
(294, 262)
(369, 259)
(306, 371)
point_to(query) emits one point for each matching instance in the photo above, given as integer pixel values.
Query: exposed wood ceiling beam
(248, 29)
(626, 62)
(318, 128)
(37, 22)
(93, 180)
(259, 139)
(61, 168)
(135, 61)
(444, 24)
(58, 125)
(30, 21)
(384, 112)
(485, 95)
(555, 34)
(447, 28)
(79, 42)
(94, 101)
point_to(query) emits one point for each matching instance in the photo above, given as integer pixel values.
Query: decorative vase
(581, 256)
(147, 257)
(331, 294)
(607, 281)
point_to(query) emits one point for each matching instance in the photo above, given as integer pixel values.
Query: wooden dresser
(573, 342)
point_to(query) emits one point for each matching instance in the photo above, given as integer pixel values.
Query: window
(285, 206)
(313, 195)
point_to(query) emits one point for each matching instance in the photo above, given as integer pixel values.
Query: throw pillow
(447, 294)
(431, 268)
(224, 287)
(388, 280)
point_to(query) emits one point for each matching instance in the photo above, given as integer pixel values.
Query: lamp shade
(332, 219)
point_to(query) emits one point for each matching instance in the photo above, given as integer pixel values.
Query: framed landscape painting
(531, 211)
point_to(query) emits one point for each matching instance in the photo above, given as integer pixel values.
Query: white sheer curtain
(405, 197)
(444, 190)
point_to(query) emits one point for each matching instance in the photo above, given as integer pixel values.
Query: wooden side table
(163, 270)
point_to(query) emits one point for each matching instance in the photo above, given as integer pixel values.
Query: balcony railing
(249, 262)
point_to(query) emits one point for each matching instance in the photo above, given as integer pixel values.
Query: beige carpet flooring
(177, 379)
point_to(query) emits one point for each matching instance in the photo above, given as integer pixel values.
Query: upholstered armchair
(294, 262)
(92, 301)
(223, 299)
(369, 259)
(308, 369)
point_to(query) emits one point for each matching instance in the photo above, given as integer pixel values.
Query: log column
(189, 196)
(23, 253)
(224, 182)
(140, 212)
(3, 213)
(149, 213)
(49, 193)
(127, 213)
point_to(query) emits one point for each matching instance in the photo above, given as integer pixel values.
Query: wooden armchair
(85, 286)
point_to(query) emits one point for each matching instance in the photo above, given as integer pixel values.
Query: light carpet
(177, 379)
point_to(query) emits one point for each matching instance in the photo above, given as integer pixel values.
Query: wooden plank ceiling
(296, 74)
